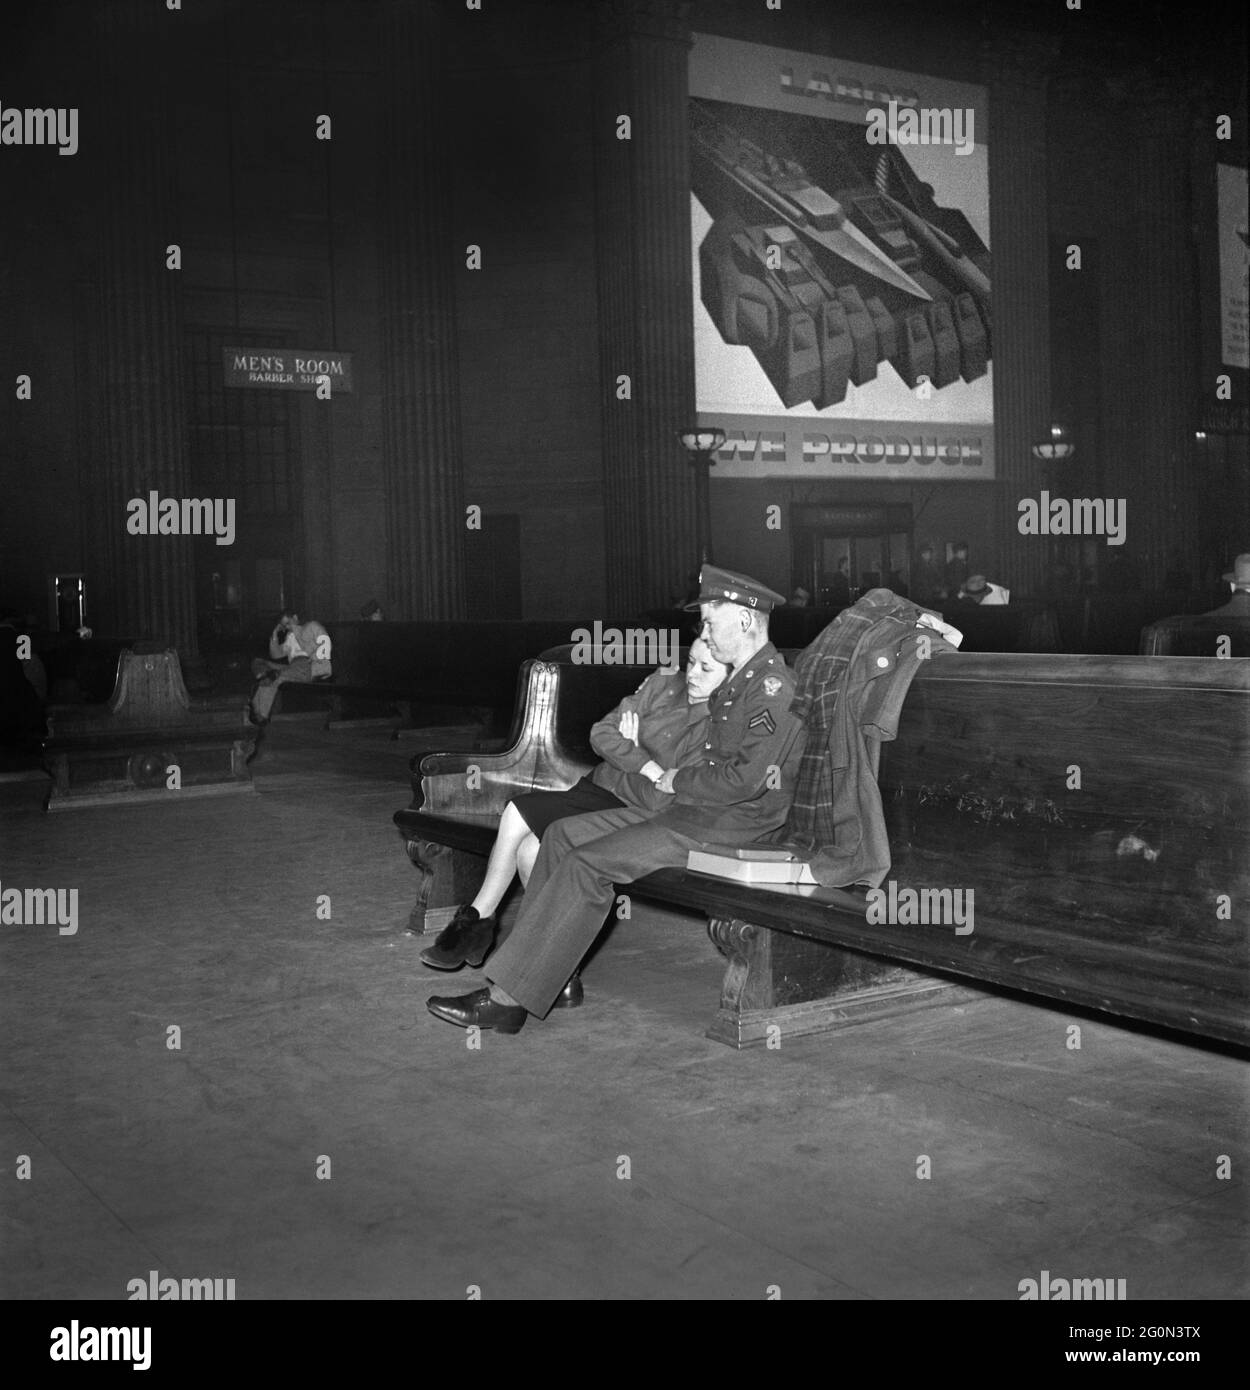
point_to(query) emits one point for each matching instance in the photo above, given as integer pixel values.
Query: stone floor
(317, 1134)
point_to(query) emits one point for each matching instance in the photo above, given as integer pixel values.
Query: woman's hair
(699, 642)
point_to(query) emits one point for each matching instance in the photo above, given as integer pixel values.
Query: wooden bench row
(1097, 807)
(409, 669)
(412, 668)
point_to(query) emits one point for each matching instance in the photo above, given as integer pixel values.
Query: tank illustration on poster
(828, 257)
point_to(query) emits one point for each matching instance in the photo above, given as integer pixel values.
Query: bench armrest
(471, 783)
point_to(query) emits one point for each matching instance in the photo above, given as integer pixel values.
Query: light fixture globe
(1056, 447)
(701, 443)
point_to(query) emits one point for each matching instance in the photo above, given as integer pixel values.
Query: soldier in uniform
(739, 791)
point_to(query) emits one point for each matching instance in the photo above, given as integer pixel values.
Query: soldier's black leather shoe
(478, 1010)
(466, 938)
(572, 995)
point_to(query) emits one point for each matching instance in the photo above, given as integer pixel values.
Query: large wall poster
(840, 235)
(1234, 234)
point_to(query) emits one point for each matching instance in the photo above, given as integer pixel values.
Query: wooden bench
(86, 667)
(1201, 635)
(1110, 624)
(126, 750)
(1096, 806)
(415, 671)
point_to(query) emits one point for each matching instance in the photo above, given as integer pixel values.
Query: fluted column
(418, 262)
(1153, 296)
(149, 585)
(646, 316)
(1015, 72)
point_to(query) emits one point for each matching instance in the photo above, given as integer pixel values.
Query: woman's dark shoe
(572, 995)
(478, 1010)
(466, 938)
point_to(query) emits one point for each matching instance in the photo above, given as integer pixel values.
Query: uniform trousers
(572, 886)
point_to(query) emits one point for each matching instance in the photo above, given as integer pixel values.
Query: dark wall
(524, 189)
(279, 239)
(43, 268)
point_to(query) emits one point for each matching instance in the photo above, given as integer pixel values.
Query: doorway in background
(840, 552)
(244, 444)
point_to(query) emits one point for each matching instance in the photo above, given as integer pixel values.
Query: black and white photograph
(625, 630)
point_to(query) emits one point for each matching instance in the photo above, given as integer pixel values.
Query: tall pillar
(1153, 293)
(646, 315)
(148, 581)
(418, 262)
(1015, 72)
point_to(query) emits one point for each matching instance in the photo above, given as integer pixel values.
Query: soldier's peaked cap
(721, 586)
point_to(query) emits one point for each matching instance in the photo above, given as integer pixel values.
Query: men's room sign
(286, 369)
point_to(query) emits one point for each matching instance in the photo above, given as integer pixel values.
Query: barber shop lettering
(287, 369)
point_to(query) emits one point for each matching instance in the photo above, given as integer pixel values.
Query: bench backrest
(1098, 806)
(469, 663)
(1197, 636)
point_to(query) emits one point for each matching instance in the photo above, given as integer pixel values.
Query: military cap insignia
(772, 684)
(763, 720)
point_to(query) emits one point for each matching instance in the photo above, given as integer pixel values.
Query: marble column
(646, 316)
(418, 262)
(1015, 72)
(146, 587)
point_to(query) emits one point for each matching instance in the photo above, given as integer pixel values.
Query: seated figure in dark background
(297, 652)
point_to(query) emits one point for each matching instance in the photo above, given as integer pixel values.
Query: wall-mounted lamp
(1057, 447)
(699, 442)
(700, 445)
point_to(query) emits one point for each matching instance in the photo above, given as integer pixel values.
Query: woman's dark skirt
(539, 809)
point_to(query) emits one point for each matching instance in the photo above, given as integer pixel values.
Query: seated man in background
(1221, 632)
(738, 790)
(977, 589)
(662, 724)
(297, 652)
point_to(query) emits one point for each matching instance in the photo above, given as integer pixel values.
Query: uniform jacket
(671, 731)
(744, 778)
(851, 683)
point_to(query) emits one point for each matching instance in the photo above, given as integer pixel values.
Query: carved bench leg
(449, 877)
(774, 979)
